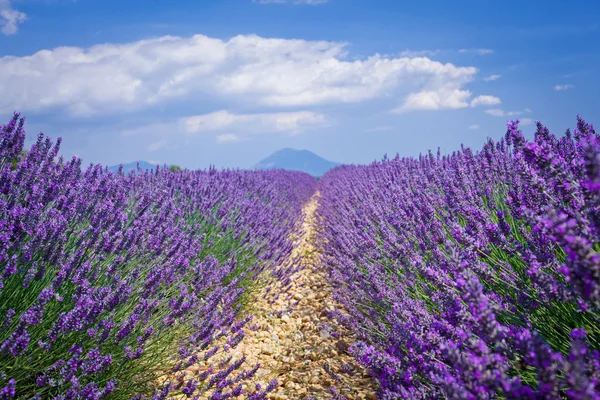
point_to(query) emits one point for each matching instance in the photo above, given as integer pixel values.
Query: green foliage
(18, 159)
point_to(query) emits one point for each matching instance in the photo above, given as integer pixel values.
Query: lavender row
(111, 285)
(474, 275)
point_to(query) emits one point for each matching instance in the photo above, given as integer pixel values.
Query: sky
(227, 82)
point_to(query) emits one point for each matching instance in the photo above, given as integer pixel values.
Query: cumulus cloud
(10, 18)
(566, 86)
(283, 122)
(230, 127)
(491, 78)
(485, 101)
(474, 127)
(111, 78)
(449, 97)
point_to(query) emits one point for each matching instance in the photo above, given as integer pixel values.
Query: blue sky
(227, 82)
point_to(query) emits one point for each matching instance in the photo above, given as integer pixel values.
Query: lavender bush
(474, 275)
(108, 282)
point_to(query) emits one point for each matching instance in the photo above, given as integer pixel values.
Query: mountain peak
(297, 160)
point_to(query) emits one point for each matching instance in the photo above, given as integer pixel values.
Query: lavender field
(474, 275)
(109, 282)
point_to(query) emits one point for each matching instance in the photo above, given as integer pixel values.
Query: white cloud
(449, 97)
(481, 52)
(10, 18)
(325, 77)
(157, 145)
(230, 127)
(284, 122)
(564, 87)
(485, 101)
(115, 78)
(496, 112)
(228, 138)
(474, 127)
(528, 110)
(513, 113)
(492, 77)
(525, 121)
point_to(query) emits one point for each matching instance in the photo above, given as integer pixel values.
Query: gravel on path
(293, 339)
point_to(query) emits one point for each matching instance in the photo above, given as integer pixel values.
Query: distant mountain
(297, 160)
(132, 166)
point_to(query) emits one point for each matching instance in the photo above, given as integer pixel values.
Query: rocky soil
(292, 338)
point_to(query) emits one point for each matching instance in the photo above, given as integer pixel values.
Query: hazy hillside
(297, 160)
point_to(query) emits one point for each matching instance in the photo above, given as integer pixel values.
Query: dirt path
(293, 340)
